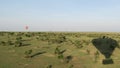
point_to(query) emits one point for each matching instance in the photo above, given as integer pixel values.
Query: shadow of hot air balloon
(106, 46)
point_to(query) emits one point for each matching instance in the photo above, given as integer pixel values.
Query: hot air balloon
(26, 27)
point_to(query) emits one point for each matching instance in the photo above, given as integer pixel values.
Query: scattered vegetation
(75, 50)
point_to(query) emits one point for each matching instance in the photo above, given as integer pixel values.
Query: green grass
(14, 57)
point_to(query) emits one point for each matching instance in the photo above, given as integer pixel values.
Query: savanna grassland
(54, 50)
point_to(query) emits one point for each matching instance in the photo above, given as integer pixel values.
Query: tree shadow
(106, 46)
(38, 53)
(24, 40)
(63, 51)
(26, 44)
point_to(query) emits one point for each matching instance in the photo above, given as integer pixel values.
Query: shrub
(19, 38)
(49, 66)
(3, 43)
(60, 56)
(10, 43)
(71, 66)
(27, 35)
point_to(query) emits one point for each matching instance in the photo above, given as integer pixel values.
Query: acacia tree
(57, 50)
(28, 53)
(59, 53)
(18, 42)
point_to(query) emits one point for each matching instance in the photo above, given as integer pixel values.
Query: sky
(60, 15)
